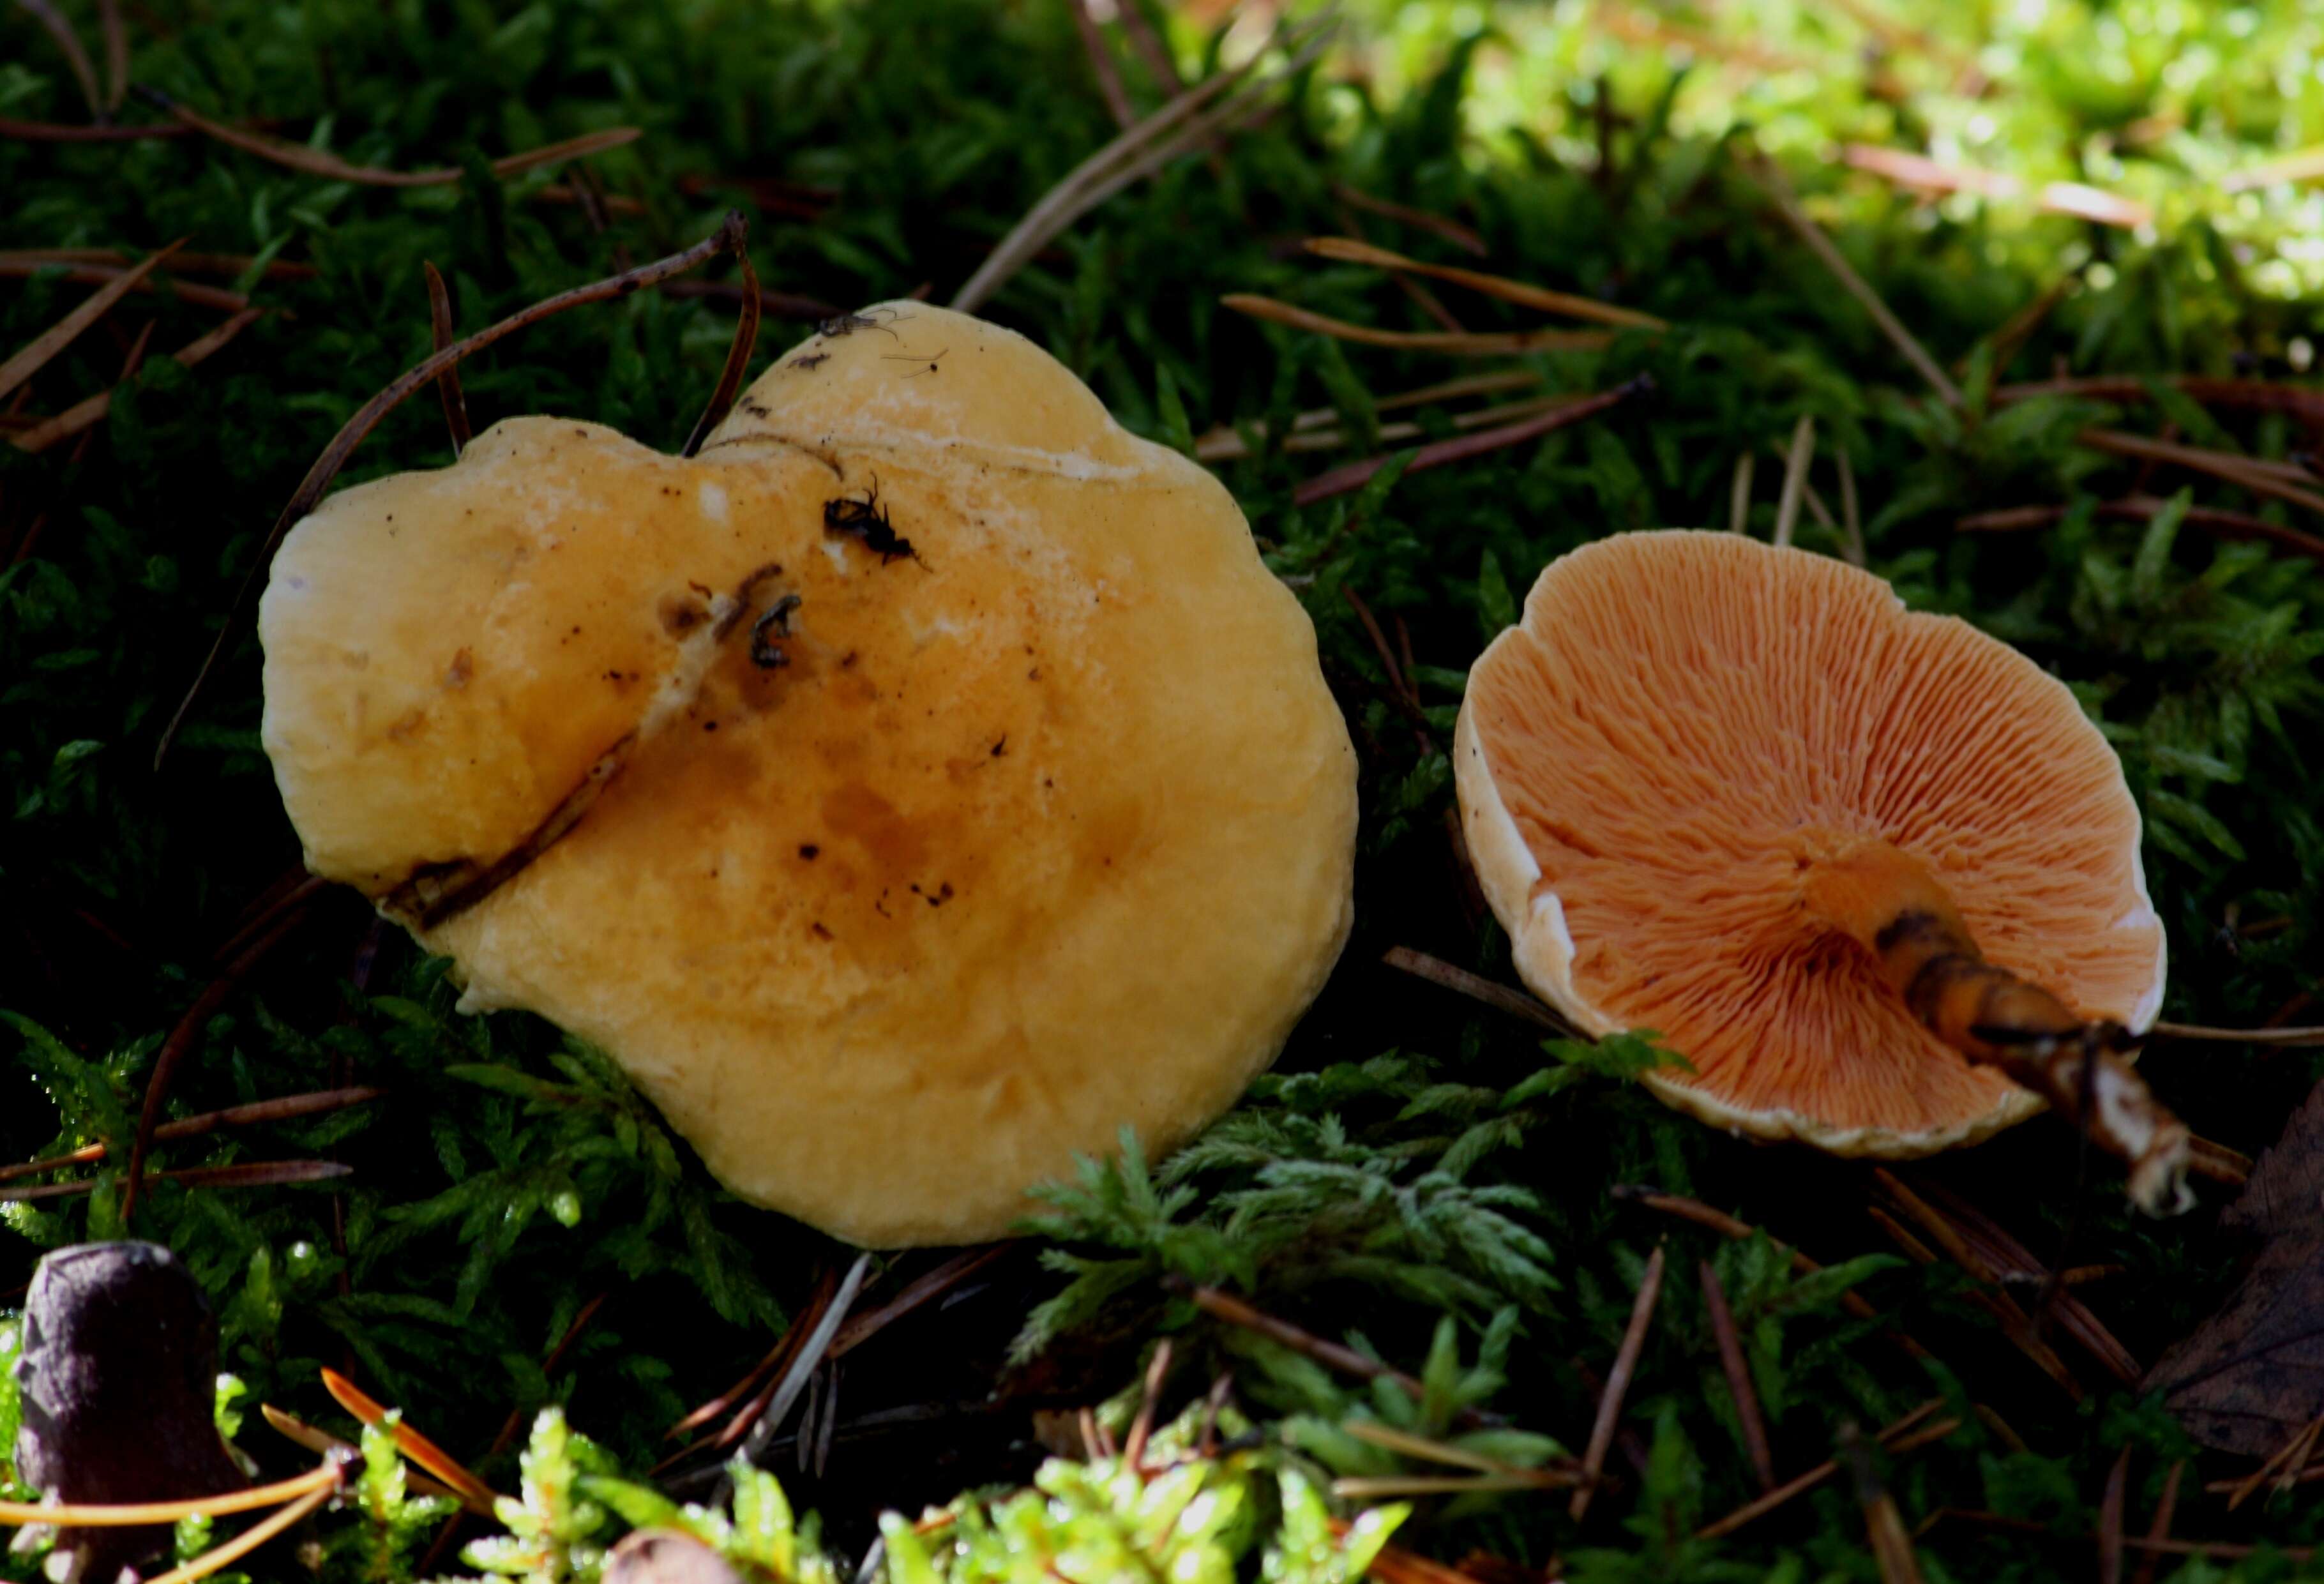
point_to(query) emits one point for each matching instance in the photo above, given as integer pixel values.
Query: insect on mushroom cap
(1696, 751)
(896, 877)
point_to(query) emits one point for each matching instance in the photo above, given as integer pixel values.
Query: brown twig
(1354, 475)
(1226, 1306)
(1353, 251)
(315, 162)
(473, 1493)
(1738, 1376)
(1896, 1439)
(1222, 444)
(1450, 231)
(861, 1328)
(2110, 1520)
(250, 1175)
(1850, 521)
(439, 329)
(2018, 329)
(69, 42)
(1892, 1548)
(1796, 458)
(2267, 1037)
(130, 364)
(258, 1112)
(83, 415)
(773, 305)
(56, 132)
(1739, 491)
(1467, 343)
(2227, 525)
(2012, 1262)
(1157, 1371)
(23, 263)
(2244, 472)
(2159, 1530)
(2081, 201)
(1787, 203)
(318, 479)
(181, 1039)
(1515, 1003)
(35, 354)
(117, 53)
(760, 1419)
(1617, 1383)
(1151, 50)
(738, 355)
(1102, 66)
(2014, 1322)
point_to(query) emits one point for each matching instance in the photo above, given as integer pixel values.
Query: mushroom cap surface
(1030, 822)
(1685, 726)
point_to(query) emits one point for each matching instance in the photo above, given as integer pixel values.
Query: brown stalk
(1892, 1548)
(2226, 525)
(2018, 328)
(473, 1493)
(1739, 493)
(1703, 1215)
(1354, 475)
(738, 357)
(2110, 1520)
(181, 1039)
(1133, 1450)
(2306, 165)
(117, 54)
(1738, 1376)
(1468, 344)
(1102, 66)
(2057, 197)
(36, 353)
(775, 305)
(1796, 459)
(83, 415)
(2284, 1465)
(294, 889)
(758, 1423)
(2240, 471)
(2016, 1323)
(861, 1328)
(25, 262)
(1787, 205)
(2208, 1158)
(246, 1116)
(439, 327)
(1897, 1438)
(68, 42)
(300, 1433)
(55, 132)
(1399, 689)
(761, 1373)
(2269, 1036)
(135, 1514)
(615, 203)
(1617, 1383)
(251, 1539)
(250, 1175)
(1450, 231)
(1850, 520)
(130, 364)
(1222, 444)
(1417, 293)
(1404, 1443)
(315, 162)
(2159, 1529)
(2257, 395)
(1515, 1003)
(2011, 1260)
(1236, 1312)
(728, 237)
(1352, 250)
(1151, 50)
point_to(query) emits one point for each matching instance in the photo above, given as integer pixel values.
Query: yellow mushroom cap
(1691, 736)
(893, 900)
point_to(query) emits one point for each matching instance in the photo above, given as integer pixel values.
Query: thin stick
(725, 239)
(87, 414)
(1351, 250)
(513, 1425)
(810, 1356)
(738, 357)
(23, 263)
(1738, 1376)
(1102, 66)
(2227, 525)
(315, 162)
(55, 132)
(2016, 1323)
(2240, 471)
(1477, 988)
(1452, 231)
(475, 1493)
(130, 364)
(94, 1515)
(36, 353)
(296, 1430)
(249, 1175)
(1133, 1450)
(1892, 1548)
(1392, 1486)
(1150, 46)
(2076, 198)
(69, 42)
(1617, 1383)
(117, 53)
(1849, 517)
(1894, 1437)
(861, 1328)
(2159, 1529)
(1224, 1306)
(1795, 478)
(439, 327)
(1354, 475)
(2110, 1520)
(2272, 1037)
(1222, 444)
(1466, 343)
(1406, 1444)
(248, 1541)
(1227, 445)
(1738, 493)
(2306, 165)
(1787, 203)
(1177, 127)
(2288, 1459)
(181, 1039)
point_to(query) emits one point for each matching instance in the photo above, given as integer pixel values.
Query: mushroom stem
(1890, 904)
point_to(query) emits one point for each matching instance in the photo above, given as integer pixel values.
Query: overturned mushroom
(916, 787)
(1871, 870)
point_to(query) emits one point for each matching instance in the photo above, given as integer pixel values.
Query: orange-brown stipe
(1691, 732)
